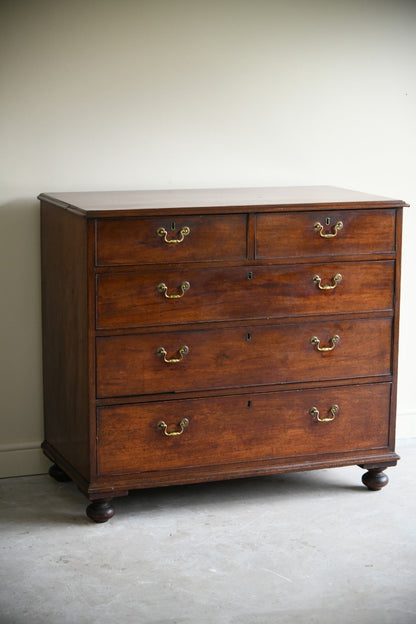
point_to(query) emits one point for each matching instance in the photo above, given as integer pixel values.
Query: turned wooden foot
(101, 510)
(58, 474)
(375, 478)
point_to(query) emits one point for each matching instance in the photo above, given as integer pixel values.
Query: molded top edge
(103, 203)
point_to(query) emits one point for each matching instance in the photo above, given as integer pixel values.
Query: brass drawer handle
(163, 427)
(335, 281)
(315, 413)
(318, 227)
(184, 231)
(163, 353)
(316, 343)
(163, 289)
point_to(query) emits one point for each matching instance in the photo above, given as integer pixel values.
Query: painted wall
(124, 94)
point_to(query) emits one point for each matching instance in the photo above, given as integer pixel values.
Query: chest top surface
(184, 201)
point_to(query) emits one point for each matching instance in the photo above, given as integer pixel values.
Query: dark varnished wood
(100, 510)
(58, 474)
(241, 357)
(227, 430)
(110, 204)
(126, 300)
(65, 335)
(136, 241)
(375, 478)
(251, 375)
(293, 234)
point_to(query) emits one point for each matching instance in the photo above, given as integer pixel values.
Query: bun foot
(58, 474)
(101, 510)
(375, 479)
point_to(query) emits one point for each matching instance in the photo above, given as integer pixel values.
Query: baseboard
(22, 460)
(406, 425)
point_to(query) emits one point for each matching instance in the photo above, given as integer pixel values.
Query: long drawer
(181, 361)
(138, 299)
(228, 429)
(170, 239)
(323, 233)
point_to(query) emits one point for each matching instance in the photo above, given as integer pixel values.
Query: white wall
(124, 94)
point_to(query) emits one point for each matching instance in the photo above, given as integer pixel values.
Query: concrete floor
(300, 548)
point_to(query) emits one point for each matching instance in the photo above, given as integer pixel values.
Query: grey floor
(310, 548)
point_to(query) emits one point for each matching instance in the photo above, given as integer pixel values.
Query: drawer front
(126, 300)
(241, 428)
(319, 234)
(242, 357)
(171, 239)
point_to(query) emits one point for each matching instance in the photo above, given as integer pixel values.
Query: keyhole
(249, 404)
(328, 221)
(173, 226)
(248, 337)
(250, 275)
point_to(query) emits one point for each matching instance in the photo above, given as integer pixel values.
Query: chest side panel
(65, 322)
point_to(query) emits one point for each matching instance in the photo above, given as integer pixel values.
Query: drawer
(231, 429)
(126, 300)
(242, 357)
(154, 240)
(292, 235)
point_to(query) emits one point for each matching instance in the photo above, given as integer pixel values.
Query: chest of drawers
(201, 335)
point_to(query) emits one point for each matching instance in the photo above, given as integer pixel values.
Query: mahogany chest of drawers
(200, 335)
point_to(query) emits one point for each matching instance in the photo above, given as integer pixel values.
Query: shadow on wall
(20, 319)
(20, 262)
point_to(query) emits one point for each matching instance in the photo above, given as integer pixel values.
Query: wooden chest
(200, 335)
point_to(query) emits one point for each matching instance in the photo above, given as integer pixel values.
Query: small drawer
(183, 361)
(342, 233)
(169, 296)
(164, 239)
(232, 429)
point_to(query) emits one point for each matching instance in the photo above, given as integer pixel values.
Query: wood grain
(251, 373)
(224, 430)
(128, 300)
(241, 357)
